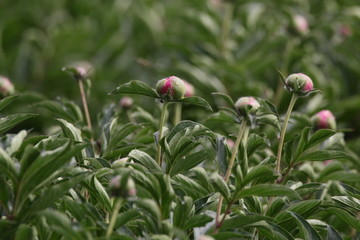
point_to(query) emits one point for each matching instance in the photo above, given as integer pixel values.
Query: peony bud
(189, 89)
(126, 102)
(171, 88)
(117, 190)
(300, 24)
(299, 83)
(6, 87)
(247, 105)
(324, 120)
(79, 70)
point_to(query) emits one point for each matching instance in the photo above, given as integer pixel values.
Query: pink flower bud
(189, 89)
(300, 24)
(345, 31)
(171, 88)
(6, 87)
(126, 102)
(247, 105)
(324, 120)
(299, 83)
(127, 190)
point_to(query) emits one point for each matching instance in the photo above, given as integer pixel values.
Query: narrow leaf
(268, 190)
(197, 101)
(145, 159)
(8, 122)
(306, 230)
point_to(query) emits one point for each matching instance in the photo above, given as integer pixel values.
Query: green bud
(299, 83)
(122, 187)
(247, 105)
(6, 87)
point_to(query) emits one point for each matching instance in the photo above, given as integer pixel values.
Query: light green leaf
(24, 232)
(348, 201)
(220, 186)
(145, 159)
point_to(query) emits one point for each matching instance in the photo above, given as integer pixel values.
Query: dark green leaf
(348, 201)
(197, 101)
(322, 155)
(6, 101)
(319, 136)
(7, 166)
(188, 162)
(227, 99)
(197, 221)
(125, 217)
(243, 220)
(346, 217)
(267, 190)
(332, 234)
(136, 87)
(220, 186)
(306, 230)
(24, 232)
(8, 122)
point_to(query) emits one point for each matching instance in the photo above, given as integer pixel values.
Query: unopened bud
(324, 120)
(171, 88)
(79, 70)
(300, 24)
(122, 187)
(6, 87)
(189, 89)
(299, 83)
(247, 105)
(126, 102)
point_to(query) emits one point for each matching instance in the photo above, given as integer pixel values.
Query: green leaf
(332, 234)
(151, 207)
(345, 216)
(60, 223)
(319, 136)
(243, 220)
(24, 232)
(220, 186)
(125, 217)
(8, 122)
(302, 142)
(322, 155)
(306, 230)
(54, 192)
(304, 208)
(6, 101)
(227, 99)
(117, 135)
(197, 221)
(7, 166)
(188, 162)
(179, 127)
(197, 101)
(16, 142)
(343, 176)
(348, 201)
(58, 109)
(145, 159)
(43, 169)
(99, 192)
(268, 190)
(259, 171)
(136, 87)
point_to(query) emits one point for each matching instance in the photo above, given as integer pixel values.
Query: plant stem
(161, 124)
(283, 131)
(84, 102)
(178, 108)
(242, 129)
(226, 26)
(117, 205)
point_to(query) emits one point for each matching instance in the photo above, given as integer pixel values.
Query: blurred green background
(228, 46)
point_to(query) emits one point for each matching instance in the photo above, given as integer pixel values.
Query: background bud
(122, 186)
(299, 83)
(324, 119)
(6, 87)
(126, 102)
(247, 105)
(300, 24)
(171, 88)
(189, 89)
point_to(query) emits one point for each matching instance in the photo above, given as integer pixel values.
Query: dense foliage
(117, 159)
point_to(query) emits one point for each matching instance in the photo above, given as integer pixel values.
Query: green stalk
(241, 132)
(226, 27)
(85, 105)
(283, 132)
(177, 118)
(117, 205)
(161, 124)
